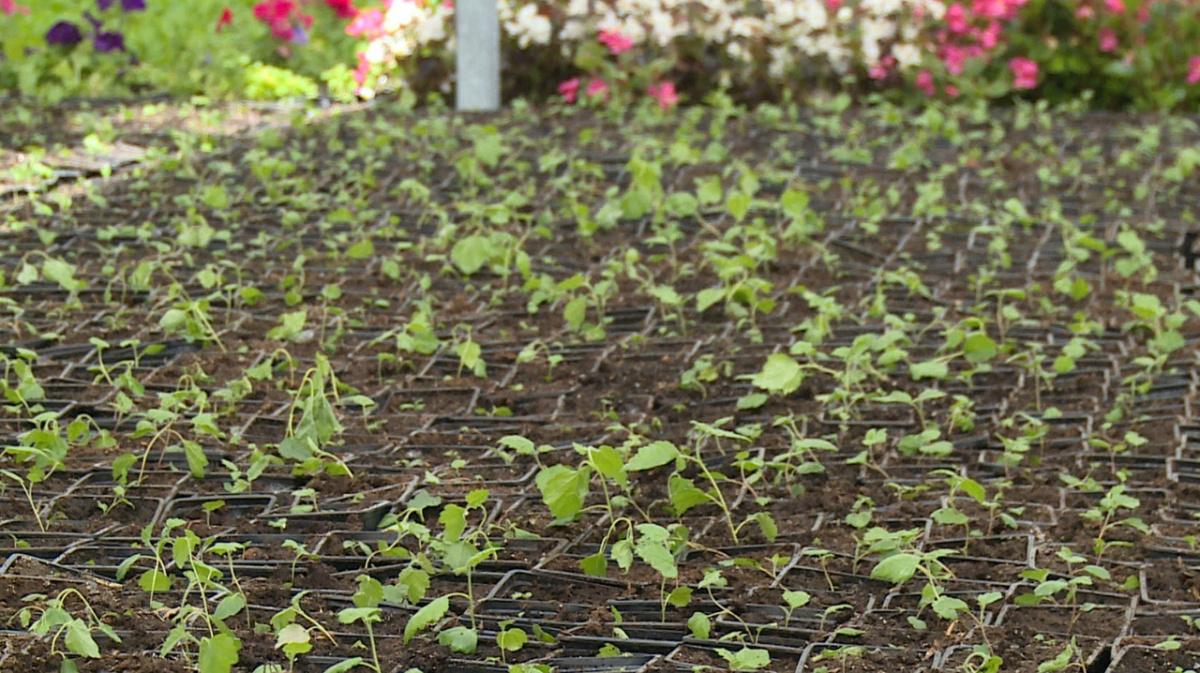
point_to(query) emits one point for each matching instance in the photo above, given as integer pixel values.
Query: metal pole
(478, 26)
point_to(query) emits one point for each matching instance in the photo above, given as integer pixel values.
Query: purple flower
(298, 35)
(110, 41)
(127, 5)
(64, 32)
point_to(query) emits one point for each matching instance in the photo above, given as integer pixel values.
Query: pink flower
(597, 87)
(615, 41)
(955, 58)
(924, 82)
(1025, 72)
(1143, 14)
(833, 5)
(1115, 6)
(363, 69)
(995, 9)
(1085, 12)
(956, 19)
(951, 91)
(881, 69)
(665, 93)
(1193, 76)
(10, 7)
(569, 89)
(368, 23)
(1108, 40)
(990, 36)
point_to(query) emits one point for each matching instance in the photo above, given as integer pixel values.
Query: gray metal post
(478, 26)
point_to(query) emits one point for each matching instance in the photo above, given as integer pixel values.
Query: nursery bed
(316, 362)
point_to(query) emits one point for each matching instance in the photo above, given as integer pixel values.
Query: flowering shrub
(1125, 52)
(57, 48)
(1141, 52)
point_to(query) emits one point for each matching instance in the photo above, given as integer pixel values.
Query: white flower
(906, 54)
(375, 52)
(432, 29)
(529, 27)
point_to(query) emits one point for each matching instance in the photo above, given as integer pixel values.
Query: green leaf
(595, 565)
(684, 494)
(79, 640)
(454, 520)
(978, 348)
(651, 456)
(746, 659)
(196, 459)
(657, 556)
(154, 581)
(738, 204)
(575, 312)
(948, 607)
(520, 444)
(933, 369)
(290, 326)
(563, 490)
(219, 653)
(682, 204)
(796, 599)
(973, 489)
(794, 203)
(471, 253)
(707, 297)
(700, 625)
(414, 582)
(607, 461)
(780, 374)
(346, 665)
(680, 596)
(767, 524)
(229, 606)
(429, 614)
(460, 639)
(361, 250)
(61, 273)
(751, 401)
(511, 640)
(897, 569)
(708, 190)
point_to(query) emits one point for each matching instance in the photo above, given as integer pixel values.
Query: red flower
(279, 14)
(226, 19)
(273, 10)
(345, 8)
